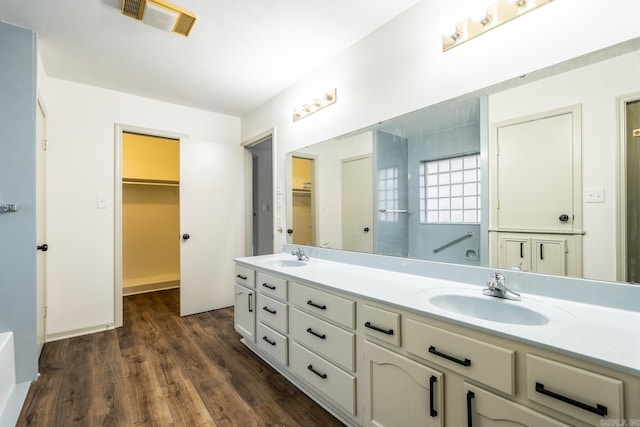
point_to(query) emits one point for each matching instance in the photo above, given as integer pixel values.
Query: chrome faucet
(497, 288)
(300, 254)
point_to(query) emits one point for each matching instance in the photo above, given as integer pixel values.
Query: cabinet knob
(366, 229)
(185, 236)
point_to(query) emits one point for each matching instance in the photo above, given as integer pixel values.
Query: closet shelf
(129, 181)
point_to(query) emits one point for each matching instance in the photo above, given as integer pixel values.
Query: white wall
(81, 166)
(401, 67)
(595, 87)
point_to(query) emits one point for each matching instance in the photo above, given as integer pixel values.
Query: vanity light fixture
(495, 15)
(318, 104)
(160, 14)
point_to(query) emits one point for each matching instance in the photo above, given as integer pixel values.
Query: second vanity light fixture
(318, 104)
(493, 16)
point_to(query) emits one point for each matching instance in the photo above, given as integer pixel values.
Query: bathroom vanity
(394, 342)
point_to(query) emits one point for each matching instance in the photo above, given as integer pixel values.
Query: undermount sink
(285, 263)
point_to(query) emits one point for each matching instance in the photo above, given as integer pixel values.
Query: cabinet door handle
(376, 328)
(268, 310)
(268, 286)
(240, 276)
(470, 396)
(432, 409)
(250, 297)
(268, 340)
(323, 376)
(465, 362)
(598, 409)
(521, 249)
(314, 333)
(320, 306)
(541, 250)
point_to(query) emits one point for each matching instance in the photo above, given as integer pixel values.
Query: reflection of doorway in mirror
(357, 205)
(303, 221)
(632, 138)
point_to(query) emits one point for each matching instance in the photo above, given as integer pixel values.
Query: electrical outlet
(102, 201)
(594, 195)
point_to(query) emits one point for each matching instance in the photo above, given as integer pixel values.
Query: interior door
(210, 174)
(535, 175)
(357, 205)
(41, 203)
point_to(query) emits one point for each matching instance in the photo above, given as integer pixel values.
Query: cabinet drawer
(486, 408)
(489, 364)
(271, 285)
(273, 343)
(381, 324)
(327, 378)
(324, 338)
(338, 309)
(579, 393)
(273, 313)
(245, 276)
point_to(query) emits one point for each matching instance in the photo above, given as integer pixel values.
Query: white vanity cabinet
(323, 348)
(245, 301)
(373, 363)
(400, 391)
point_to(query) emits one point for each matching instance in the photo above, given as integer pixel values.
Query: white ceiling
(239, 54)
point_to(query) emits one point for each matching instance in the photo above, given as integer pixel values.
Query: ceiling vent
(160, 14)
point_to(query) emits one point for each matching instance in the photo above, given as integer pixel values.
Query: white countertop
(603, 335)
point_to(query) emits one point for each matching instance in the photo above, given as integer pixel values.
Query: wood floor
(163, 370)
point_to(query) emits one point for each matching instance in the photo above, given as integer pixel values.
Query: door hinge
(45, 311)
(44, 144)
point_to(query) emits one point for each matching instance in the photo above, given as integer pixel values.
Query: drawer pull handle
(314, 333)
(268, 340)
(376, 328)
(268, 310)
(598, 409)
(268, 286)
(313, 304)
(432, 410)
(240, 276)
(323, 376)
(465, 362)
(250, 302)
(470, 397)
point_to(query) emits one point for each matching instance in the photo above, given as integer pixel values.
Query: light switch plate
(594, 195)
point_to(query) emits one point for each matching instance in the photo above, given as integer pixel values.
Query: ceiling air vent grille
(184, 24)
(132, 8)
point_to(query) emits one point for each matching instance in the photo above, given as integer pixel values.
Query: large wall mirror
(419, 185)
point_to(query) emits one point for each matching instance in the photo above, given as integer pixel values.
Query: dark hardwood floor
(163, 370)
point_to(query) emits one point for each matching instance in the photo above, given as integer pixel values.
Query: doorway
(631, 132)
(302, 230)
(357, 205)
(150, 213)
(262, 196)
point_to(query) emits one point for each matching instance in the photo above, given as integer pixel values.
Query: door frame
(120, 128)
(248, 189)
(621, 184)
(42, 311)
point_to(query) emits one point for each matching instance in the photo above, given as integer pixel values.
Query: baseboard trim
(78, 332)
(150, 287)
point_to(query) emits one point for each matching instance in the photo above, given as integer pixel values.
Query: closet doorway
(150, 213)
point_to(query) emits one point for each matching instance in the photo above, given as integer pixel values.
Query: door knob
(563, 218)
(366, 229)
(289, 231)
(185, 236)
(43, 248)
